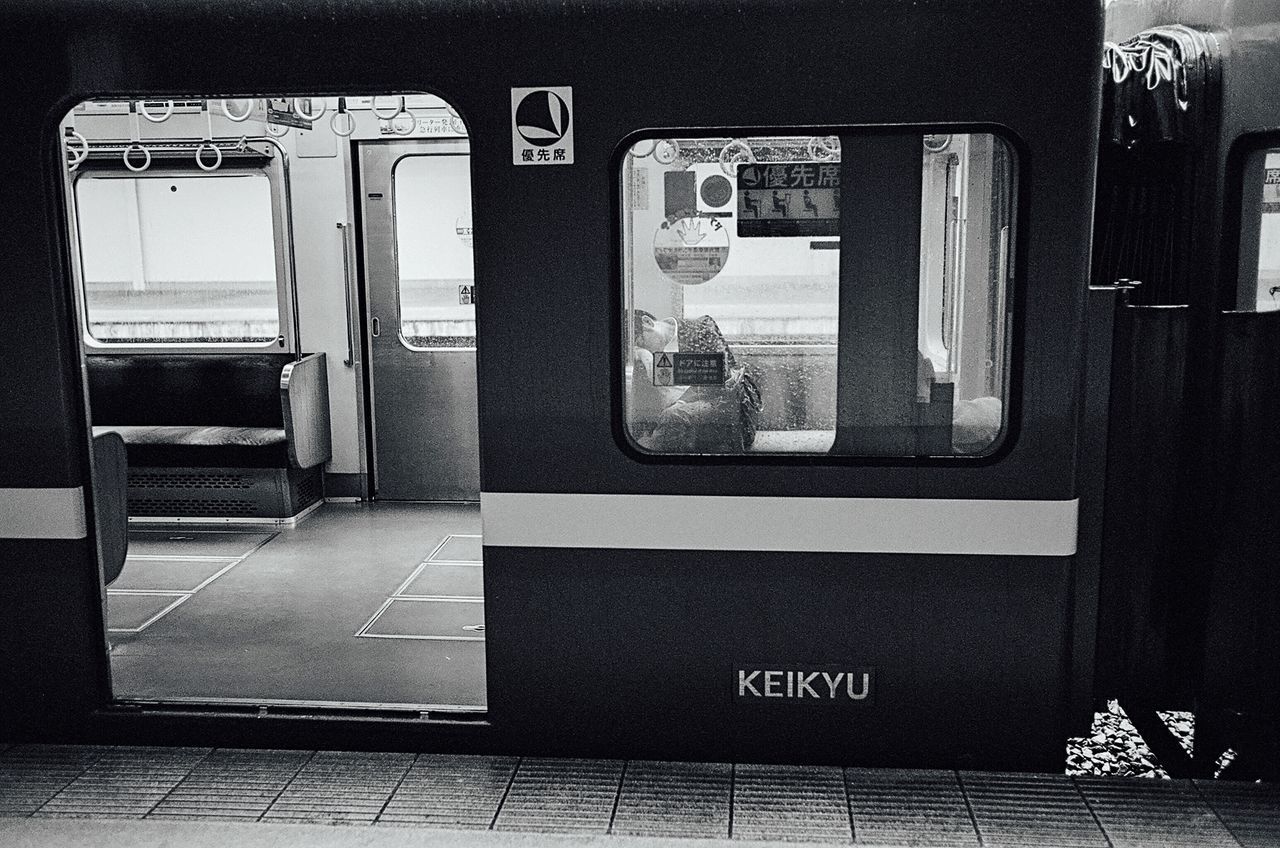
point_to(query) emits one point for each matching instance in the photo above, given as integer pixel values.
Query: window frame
(1012, 298)
(276, 173)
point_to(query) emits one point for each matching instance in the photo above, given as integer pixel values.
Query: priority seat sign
(789, 199)
(542, 125)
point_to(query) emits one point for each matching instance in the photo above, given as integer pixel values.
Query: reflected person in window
(692, 419)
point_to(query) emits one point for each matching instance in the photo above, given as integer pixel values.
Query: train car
(1187, 204)
(718, 394)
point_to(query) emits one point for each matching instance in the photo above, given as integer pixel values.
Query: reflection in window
(433, 251)
(178, 258)
(734, 292)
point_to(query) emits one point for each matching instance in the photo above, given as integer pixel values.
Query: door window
(437, 287)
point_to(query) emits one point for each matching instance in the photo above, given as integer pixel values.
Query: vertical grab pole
(350, 361)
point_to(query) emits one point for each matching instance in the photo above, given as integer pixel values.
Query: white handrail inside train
(400, 107)
(304, 114)
(128, 163)
(234, 116)
(160, 119)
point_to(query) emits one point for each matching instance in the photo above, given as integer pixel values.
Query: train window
(745, 329)
(177, 257)
(1262, 188)
(433, 251)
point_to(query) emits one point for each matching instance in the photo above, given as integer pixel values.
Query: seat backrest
(110, 481)
(231, 390)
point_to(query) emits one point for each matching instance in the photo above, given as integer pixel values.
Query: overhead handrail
(217, 151)
(77, 157)
(736, 152)
(208, 144)
(400, 107)
(168, 112)
(238, 117)
(825, 148)
(350, 123)
(666, 151)
(653, 145)
(128, 162)
(304, 114)
(412, 124)
(135, 142)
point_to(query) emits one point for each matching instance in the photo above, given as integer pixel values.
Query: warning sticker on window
(789, 199)
(688, 369)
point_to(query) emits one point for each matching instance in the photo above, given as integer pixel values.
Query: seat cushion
(793, 441)
(203, 447)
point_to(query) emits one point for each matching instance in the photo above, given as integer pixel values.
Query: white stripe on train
(820, 525)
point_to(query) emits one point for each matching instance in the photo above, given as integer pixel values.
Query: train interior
(302, 496)
(277, 298)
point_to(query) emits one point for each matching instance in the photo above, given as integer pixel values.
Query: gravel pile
(1114, 749)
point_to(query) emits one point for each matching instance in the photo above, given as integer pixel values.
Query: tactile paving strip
(1251, 811)
(340, 787)
(451, 791)
(689, 800)
(124, 783)
(233, 785)
(561, 796)
(925, 808)
(31, 775)
(798, 803)
(1144, 813)
(1030, 809)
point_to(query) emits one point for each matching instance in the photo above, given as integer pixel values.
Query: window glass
(178, 258)
(433, 251)
(1268, 297)
(734, 293)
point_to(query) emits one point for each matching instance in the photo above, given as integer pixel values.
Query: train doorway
(226, 363)
(420, 288)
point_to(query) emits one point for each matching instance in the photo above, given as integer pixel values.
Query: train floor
(199, 796)
(361, 604)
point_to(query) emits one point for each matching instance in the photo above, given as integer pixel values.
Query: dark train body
(906, 593)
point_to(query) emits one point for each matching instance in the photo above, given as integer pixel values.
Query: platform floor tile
(681, 800)
(1251, 811)
(232, 785)
(562, 796)
(792, 803)
(340, 787)
(1031, 809)
(450, 791)
(1145, 813)
(31, 775)
(925, 808)
(124, 783)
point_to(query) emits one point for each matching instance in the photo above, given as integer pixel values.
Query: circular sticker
(716, 191)
(462, 226)
(691, 250)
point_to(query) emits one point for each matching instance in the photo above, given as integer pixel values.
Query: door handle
(346, 283)
(377, 327)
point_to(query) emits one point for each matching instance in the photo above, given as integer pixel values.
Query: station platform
(141, 796)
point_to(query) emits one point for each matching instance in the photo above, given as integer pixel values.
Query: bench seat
(169, 446)
(213, 436)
